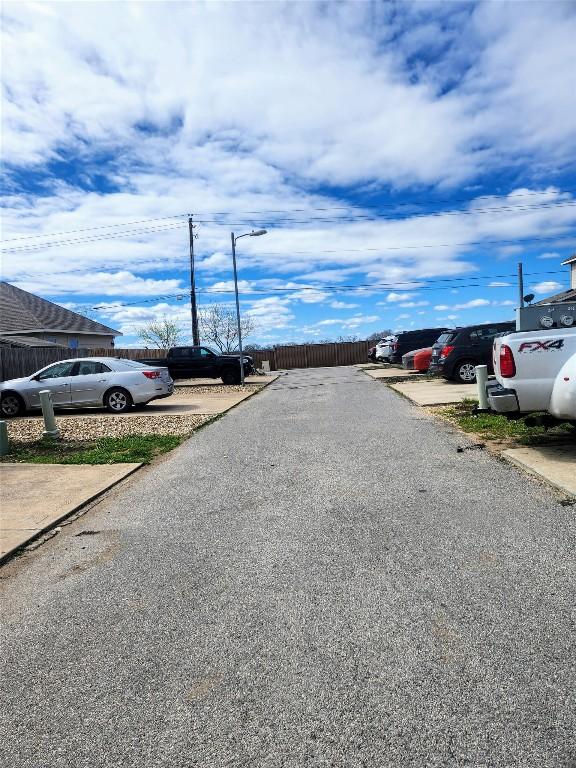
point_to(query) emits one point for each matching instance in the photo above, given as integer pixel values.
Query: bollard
(50, 427)
(266, 366)
(3, 438)
(481, 381)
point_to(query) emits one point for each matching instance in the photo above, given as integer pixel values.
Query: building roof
(27, 341)
(22, 312)
(564, 297)
(570, 260)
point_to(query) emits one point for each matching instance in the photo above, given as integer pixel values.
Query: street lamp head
(258, 232)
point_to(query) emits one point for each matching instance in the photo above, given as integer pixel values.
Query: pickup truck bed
(535, 371)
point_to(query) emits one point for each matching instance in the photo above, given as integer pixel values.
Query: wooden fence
(23, 362)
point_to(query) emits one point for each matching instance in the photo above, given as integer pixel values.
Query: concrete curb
(518, 463)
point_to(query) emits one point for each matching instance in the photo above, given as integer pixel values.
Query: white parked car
(535, 371)
(112, 382)
(384, 349)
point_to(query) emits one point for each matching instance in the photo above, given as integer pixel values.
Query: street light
(254, 233)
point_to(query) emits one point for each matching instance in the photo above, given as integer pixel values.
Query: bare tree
(161, 334)
(352, 337)
(379, 335)
(219, 326)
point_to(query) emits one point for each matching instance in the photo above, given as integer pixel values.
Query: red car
(417, 360)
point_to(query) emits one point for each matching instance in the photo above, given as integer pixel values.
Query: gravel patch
(76, 428)
(216, 389)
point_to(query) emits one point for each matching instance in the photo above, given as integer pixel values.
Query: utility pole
(520, 284)
(193, 307)
(237, 307)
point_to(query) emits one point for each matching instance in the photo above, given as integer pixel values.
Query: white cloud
(550, 255)
(342, 305)
(472, 304)
(498, 284)
(395, 297)
(547, 286)
(122, 283)
(410, 304)
(271, 312)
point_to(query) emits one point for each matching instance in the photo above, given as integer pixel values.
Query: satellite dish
(529, 297)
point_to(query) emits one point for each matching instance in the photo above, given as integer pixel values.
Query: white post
(266, 366)
(50, 427)
(481, 381)
(3, 438)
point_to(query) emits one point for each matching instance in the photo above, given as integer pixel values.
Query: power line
(80, 241)
(286, 210)
(402, 285)
(556, 239)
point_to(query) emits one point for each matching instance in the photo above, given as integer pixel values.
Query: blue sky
(403, 157)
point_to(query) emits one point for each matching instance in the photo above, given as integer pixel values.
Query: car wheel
(11, 405)
(117, 400)
(465, 372)
(230, 376)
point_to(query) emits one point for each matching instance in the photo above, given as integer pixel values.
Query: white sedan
(112, 382)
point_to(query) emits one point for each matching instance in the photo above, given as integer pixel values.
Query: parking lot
(350, 589)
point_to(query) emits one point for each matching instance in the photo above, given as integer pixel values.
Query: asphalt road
(317, 579)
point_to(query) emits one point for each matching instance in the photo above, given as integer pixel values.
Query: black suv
(458, 352)
(408, 341)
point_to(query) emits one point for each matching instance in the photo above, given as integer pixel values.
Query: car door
(207, 363)
(92, 379)
(57, 379)
(481, 340)
(181, 363)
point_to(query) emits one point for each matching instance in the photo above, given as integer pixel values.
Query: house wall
(76, 340)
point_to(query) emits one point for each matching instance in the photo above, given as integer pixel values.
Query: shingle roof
(27, 341)
(570, 260)
(565, 297)
(21, 311)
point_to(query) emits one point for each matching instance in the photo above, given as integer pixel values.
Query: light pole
(254, 233)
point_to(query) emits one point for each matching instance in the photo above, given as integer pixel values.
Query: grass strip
(494, 426)
(105, 450)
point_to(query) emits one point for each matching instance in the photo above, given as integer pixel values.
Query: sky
(403, 157)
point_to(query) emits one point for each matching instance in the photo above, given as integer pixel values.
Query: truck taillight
(152, 374)
(446, 349)
(507, 364)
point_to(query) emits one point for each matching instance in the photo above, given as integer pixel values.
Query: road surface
(319, 578)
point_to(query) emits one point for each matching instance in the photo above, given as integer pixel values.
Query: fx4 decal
(536, 346)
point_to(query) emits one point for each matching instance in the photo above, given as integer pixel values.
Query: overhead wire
(277, 222)
(399, 204)
(366, 288)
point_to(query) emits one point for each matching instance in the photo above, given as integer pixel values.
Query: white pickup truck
(535, 371)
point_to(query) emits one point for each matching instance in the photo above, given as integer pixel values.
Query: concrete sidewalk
(554, 464)
(435, 391)
(34, 497)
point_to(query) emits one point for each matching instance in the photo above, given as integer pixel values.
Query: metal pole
(4, 447)
(50, 427)
(193, 307)
(237, 308)
(481, 381)
(521, 284)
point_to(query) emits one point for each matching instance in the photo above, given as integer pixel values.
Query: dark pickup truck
(202, 362)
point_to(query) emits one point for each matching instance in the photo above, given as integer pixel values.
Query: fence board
(18, 362)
